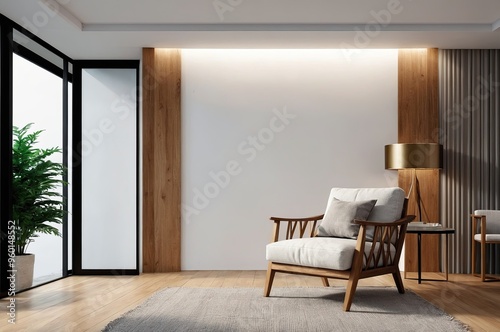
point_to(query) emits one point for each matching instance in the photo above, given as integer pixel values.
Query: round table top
(430, 228)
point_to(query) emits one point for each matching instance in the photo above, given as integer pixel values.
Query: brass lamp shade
(413, 155)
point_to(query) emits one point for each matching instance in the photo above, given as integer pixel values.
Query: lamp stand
(416, 183)
(418, 198)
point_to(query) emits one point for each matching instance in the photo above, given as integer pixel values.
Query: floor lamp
(414, 156)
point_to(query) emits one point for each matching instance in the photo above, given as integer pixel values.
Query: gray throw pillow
(338, 219)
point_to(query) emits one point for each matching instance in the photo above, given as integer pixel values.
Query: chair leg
(325, 282)
(350, 290)
(483, 261)
(473, 256)
(269, 279)
(399, 282)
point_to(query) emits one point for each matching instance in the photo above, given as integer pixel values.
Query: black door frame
(79, 65)
(8, 47)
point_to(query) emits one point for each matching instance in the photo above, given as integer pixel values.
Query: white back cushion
(389, 200)
(492, 220)
(389, 204)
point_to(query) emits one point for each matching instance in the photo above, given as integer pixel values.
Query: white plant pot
(24, 274)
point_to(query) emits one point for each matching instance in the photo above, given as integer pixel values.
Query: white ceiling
(118, 29)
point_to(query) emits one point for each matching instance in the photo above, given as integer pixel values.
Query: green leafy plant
(36, 188)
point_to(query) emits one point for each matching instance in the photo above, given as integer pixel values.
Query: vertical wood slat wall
(470, 133)
(418, 122)
(161, 160)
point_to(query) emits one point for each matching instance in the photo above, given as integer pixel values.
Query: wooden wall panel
(161, 160)
(418, 122)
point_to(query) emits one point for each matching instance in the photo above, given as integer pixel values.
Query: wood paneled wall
(418, 122)
(161, 90)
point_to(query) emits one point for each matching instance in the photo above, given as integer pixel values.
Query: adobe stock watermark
(372, 29)
(48, 10)
(223, 6)
(120, 109)
(249, 150)
(11, 272)
(455, 115)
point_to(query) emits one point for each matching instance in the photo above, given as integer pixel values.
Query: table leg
(446, 257)
(419, 259)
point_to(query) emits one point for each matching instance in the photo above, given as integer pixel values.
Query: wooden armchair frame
(480, 220)
(379, 261)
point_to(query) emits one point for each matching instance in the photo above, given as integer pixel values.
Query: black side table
(419, 229)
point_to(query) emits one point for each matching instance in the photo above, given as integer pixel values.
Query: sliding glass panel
(37, 106)
(109, 172)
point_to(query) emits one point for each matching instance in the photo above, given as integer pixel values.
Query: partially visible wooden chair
(375, 251)
(485, 230)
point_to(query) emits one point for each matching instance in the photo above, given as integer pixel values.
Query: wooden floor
(89, 303)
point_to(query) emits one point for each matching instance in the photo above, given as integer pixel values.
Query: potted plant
(37, 200)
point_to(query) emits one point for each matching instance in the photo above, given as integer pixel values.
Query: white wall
(268, 133)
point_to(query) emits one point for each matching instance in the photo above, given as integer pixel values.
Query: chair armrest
(482, 226)
(292, 224)
(318, 217)
(385, 235)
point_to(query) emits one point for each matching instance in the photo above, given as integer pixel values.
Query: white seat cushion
(323, 252)
(489, 237)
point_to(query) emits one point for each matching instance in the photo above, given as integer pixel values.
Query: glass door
(106, 163)
(39, 159)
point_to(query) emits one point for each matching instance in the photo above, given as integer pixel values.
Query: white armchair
(360, 235)
(485, 230)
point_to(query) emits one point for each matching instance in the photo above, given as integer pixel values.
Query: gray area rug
(288, 309)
